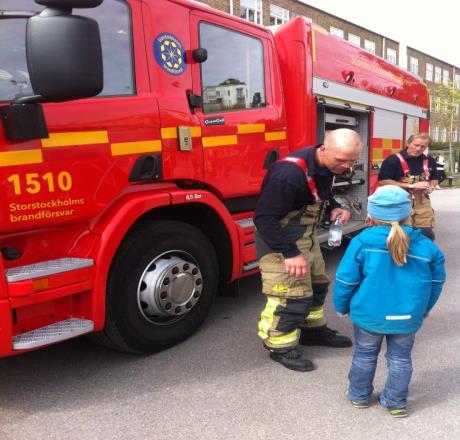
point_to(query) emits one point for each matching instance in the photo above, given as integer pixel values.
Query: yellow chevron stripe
(171, 132)
(275, 135)
(22, 157)
(250, 128)
(75, 138)
(124, 148)
(217, 141)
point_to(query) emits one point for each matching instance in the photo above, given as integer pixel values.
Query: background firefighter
(293, 270)
(414, 171)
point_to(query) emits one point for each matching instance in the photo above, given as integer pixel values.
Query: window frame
(430, 71)
(257, 7)
(337, 32)
(390, 59)
(369, 45)
(445, 77)
(413, 65)
(283, 15)
(437, 74)
(352, 37)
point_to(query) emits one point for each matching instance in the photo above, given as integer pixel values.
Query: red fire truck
(134, 139)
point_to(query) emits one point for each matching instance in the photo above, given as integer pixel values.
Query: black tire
(160, 288)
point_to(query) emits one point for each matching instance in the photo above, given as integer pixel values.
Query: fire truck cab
(134, 140)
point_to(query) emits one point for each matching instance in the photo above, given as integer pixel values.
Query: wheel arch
(208, 215)
(204, 218)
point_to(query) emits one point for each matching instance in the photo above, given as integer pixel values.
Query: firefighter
(293, 270)
(414, 171)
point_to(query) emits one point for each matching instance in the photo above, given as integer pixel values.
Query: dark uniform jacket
(392, 169)
(285, 189)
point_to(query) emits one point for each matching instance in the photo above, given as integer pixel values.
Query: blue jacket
(379, 295)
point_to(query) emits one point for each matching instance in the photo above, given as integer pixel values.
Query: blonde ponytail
(398, 244)
(397, 241)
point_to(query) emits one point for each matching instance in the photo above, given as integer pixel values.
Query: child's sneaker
(356, 403)
(397, 413)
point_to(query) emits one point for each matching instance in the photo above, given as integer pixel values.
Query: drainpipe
(231, 7)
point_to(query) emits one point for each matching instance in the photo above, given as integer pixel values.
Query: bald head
(343, 139)
(341, 149)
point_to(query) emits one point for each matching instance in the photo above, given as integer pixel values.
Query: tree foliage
(446, 98)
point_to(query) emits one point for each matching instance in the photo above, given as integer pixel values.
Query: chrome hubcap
(169, 288)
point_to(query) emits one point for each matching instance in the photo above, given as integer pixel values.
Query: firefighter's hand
(296, 266)
(344, 215)
(422, 186)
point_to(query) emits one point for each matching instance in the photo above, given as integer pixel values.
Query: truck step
(59, 331)
(246, 223)
(250, 266)
(46, 268)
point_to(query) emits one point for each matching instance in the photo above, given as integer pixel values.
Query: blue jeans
(364, 363)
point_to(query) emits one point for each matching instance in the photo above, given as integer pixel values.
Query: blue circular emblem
(169, 53)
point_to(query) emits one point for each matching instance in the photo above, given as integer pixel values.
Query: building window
(443, 106)
(336, 31)
(437, 74)
(454, 135)
(413, 65)
(445, 77)
(354, 39)
(251, 10)
(435, 134)
(278, 15)
(232, 78)
(369, 46)
(443, 134)
(391, 55)
(429, 72)
(457, 81)
(435, 104)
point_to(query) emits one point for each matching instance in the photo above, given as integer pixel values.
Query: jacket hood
(377, 235)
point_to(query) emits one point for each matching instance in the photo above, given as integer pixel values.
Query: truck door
(93, 144)
(239, 117)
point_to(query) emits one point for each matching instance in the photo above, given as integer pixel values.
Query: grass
(455, 182)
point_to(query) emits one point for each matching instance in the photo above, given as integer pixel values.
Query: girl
(388, 280)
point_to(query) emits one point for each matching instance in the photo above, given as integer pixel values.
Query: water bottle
(335, 233)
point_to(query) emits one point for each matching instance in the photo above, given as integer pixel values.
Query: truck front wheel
(160, 288)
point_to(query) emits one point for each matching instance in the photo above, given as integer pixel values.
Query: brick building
(432, 70)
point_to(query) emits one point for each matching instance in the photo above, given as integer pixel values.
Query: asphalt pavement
(220, 383)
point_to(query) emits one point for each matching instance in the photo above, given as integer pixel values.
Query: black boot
(291, 358)
(324, 336)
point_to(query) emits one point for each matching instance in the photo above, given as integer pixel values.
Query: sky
(430, 27)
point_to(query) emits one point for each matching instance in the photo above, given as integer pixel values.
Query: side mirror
(64, 59)
(200, 55)
(64, 56)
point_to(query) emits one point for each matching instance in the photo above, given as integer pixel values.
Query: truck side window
(232, 78)
(114, 20)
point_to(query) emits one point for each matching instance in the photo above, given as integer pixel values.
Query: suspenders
(310, 181)
(406, 170)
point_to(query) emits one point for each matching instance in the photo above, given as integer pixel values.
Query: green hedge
(444, 146)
